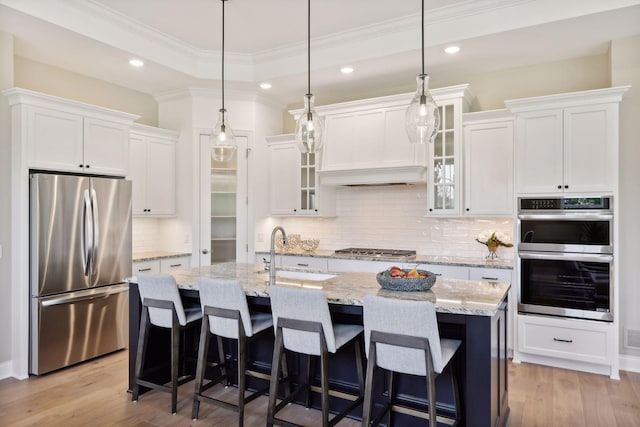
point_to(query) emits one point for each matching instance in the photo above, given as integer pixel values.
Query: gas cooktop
(376, 253)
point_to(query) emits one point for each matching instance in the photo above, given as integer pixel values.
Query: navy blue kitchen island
(474, 312)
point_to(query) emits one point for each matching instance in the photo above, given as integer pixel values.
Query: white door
(224, 220)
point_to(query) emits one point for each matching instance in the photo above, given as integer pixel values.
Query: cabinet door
(160, 188)
(354, 140)
(445, 156)
(138, 174)
(106, 147)
(539, 152)
(146, 267)
(490, 274)
(590, 153)
(284, 178)
(54, 140)
(447, 271)
(488, 166)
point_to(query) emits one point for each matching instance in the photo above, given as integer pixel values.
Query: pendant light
(310, 126)
(422, 118)
(223, 141)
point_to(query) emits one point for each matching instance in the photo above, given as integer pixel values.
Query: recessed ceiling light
(346, 70)
(452, 49)
(265, 85)
(136, 62)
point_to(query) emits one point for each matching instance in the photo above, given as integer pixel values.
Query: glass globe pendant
(422, 119)
(223, 141)
(309, 128)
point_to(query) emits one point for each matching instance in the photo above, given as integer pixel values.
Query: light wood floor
(94, 393)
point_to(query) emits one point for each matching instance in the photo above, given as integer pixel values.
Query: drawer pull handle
(175, 265)
(302, 265)
(489, 278)
(145, 269)
(438, 274)
(561, 340)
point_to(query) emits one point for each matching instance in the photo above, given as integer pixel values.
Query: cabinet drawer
(302, 261)
(148, 267)
(566, 338)
(178, 263)
(490, 274)
(448, 271)
(364, 266)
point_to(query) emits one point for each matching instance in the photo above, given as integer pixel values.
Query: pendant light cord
(309, 47)
(422, 39)
(223, 54)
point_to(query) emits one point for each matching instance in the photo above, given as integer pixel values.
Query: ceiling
(266, 40)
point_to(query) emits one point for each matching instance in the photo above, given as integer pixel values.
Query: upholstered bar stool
(303, 325)
(402, 336)
(226, 315)
(162, 308)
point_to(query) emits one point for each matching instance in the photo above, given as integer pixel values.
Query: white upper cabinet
(68, 136)
(488, 163)
(153, 176)
(294, 188)
(567, 143)
(444, 180)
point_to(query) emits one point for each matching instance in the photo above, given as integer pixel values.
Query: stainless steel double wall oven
(566, 257)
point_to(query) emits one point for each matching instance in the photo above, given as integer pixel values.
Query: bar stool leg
(391, 395)
(324, 367)
(431, 392)
(310, 361)
(203, 352)
(456, 390)
(275, 371)
(175, 356)
(242, 360)
(223, 362)
(141, 353)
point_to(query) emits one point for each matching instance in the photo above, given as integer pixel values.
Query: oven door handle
(573, 216)
(566, 256)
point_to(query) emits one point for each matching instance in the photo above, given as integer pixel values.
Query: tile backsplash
(394, 217)
(145, 235)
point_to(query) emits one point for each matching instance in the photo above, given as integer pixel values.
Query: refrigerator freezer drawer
(73, 327)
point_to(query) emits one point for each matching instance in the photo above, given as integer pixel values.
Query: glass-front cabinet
(445, 153)
(294, 188)
(224, 184)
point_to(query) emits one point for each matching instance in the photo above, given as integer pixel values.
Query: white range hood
(374, 176)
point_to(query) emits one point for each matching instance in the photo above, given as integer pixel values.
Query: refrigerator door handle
(85, 297)
(96, 232)
(86, 238)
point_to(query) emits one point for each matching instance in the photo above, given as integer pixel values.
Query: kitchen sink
(304, 275)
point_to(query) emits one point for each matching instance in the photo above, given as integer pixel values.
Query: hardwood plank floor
(94, 393)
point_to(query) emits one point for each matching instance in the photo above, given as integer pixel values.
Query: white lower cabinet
(157, 266)
(448, 271)
(570, 339)
(177, 263)
(146, 267)
(301, 261)
(497, 275)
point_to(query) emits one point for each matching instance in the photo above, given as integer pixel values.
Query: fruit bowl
(406, 283)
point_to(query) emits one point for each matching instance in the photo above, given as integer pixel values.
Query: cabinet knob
(430, 210)
(205, 251)
(566, 186)
(316, 210)
(295, 210)
(87, 166)
(559, 187)
(468, 209)
(80, 165)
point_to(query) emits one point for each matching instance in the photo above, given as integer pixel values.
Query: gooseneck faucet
(272, 262)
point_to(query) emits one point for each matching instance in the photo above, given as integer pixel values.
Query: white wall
(625, 66)
(6, 81)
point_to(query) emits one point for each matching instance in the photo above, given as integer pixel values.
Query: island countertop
(467, 297)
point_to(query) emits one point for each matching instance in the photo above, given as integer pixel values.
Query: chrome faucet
(272, 262)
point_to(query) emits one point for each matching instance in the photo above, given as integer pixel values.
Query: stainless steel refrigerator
(80, 254)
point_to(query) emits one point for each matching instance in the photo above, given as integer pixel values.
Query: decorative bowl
(309, 245)
(407, 283)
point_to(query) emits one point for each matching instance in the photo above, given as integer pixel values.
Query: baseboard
(629, 363)
(6, 369)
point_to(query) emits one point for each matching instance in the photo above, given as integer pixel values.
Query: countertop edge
(155, 255)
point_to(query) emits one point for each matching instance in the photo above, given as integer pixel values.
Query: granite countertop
(455, 296)
(506, 264)
(153, 255)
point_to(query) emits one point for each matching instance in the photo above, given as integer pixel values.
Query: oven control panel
(565, 204)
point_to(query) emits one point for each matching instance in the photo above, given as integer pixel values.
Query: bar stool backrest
(413, 318)
(302, 304)
(161, 287)
(227, 294)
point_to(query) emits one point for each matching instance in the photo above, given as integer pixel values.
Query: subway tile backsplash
(394, 217)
